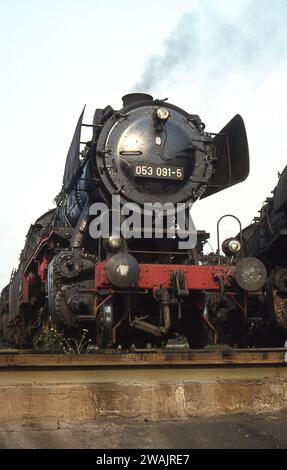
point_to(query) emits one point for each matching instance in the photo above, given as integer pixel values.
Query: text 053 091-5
(159, 171)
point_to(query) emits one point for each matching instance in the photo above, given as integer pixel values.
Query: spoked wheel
(104, 325)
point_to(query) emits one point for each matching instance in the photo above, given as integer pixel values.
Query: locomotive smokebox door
(152, 151)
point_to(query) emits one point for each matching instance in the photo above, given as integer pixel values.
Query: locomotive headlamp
(114, 243)
(230, 246)
(234, 245)
(162, 114)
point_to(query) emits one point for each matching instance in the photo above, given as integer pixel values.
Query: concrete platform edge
(152, 401)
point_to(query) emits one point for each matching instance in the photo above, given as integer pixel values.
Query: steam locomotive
(137, 287)
(265, 238)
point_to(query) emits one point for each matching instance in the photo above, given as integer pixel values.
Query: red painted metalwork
(31, 279)
(243, 308)
(40, 252)
(154, 276)
(35, 258)
(43, 267)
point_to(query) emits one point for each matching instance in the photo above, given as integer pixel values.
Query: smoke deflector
(232, 152)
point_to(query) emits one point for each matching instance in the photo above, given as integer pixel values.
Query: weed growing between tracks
(52, 340)
(76, 346)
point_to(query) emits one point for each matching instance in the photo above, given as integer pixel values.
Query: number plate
(158, 171)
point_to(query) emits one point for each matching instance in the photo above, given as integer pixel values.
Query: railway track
(147, 358)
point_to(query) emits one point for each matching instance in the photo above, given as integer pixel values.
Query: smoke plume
(254, 39)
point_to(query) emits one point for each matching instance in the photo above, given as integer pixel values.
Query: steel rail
(146, 358)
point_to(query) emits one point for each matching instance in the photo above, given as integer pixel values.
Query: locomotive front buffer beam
(158, 276)
(174, 285)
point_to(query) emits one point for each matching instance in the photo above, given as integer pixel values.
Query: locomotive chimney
(132, 98)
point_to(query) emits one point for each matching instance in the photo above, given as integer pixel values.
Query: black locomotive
(265, 238)
(141, 288)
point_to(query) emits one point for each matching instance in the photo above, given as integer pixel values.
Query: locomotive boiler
(137, 286)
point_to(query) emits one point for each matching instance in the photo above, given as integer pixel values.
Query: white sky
(227, 57)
